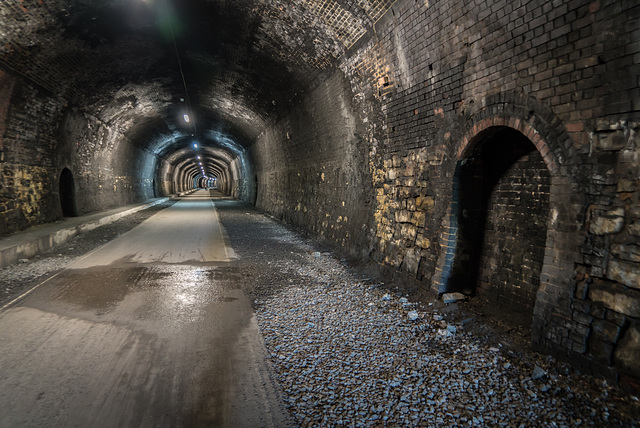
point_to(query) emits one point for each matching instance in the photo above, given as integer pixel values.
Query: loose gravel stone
(347, 354)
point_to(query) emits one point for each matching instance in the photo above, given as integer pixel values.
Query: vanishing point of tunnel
(319, 213)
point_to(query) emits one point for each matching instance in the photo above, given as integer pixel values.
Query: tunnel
(470, 156)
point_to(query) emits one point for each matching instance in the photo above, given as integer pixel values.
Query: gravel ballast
(347, 352)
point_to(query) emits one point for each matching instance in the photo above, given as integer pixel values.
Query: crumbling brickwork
(109, 169)
(41, 137)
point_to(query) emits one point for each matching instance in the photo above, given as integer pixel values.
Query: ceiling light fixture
(186, 117)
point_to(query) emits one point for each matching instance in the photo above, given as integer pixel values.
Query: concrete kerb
(188, 192)
(41, 242)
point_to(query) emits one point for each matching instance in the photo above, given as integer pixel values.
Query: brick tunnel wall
(311, 170)
(100, 158)
(28, 184)
(40, 137)
(433, 76)
(515, 237)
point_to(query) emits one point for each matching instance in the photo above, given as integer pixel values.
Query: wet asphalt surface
(283, 333)
(151, 329)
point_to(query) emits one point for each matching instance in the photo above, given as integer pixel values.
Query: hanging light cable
(184, 80)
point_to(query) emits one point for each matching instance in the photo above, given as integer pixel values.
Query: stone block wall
(606, 307)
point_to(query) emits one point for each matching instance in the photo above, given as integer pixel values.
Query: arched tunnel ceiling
(127, 62)
(214, 160)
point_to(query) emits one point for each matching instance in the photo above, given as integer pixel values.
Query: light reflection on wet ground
(116, 342)
(173, 295)
(187, 232)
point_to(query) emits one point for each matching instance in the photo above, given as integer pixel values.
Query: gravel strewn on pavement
(17, 278)
(347, 353)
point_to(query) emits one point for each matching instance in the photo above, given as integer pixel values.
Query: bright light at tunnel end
(186, 117)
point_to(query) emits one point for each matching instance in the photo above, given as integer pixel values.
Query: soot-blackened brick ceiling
(244, 61)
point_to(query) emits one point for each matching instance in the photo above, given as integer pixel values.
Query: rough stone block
(627, 273)
(578, 347)
(607, 125)
(425, 203)
(616, 298)
(418, 218)
(634, 138)
(582, 318)
(582, 306)
(600, 350)
(598, 311)
(403, 216)
(410, 262)
(607, 222)
(634, 228)
(452, 297)
(605, 331)
(615, 317)
(408, 231)
(422, 241)
(607, 141)
(630, 252)
(411, 204)
(628, 350)
(625, 185)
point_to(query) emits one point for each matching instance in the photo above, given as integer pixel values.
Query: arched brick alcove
(501, 198)
(541, 142)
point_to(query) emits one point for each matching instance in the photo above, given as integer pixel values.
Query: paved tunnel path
(152, 329)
